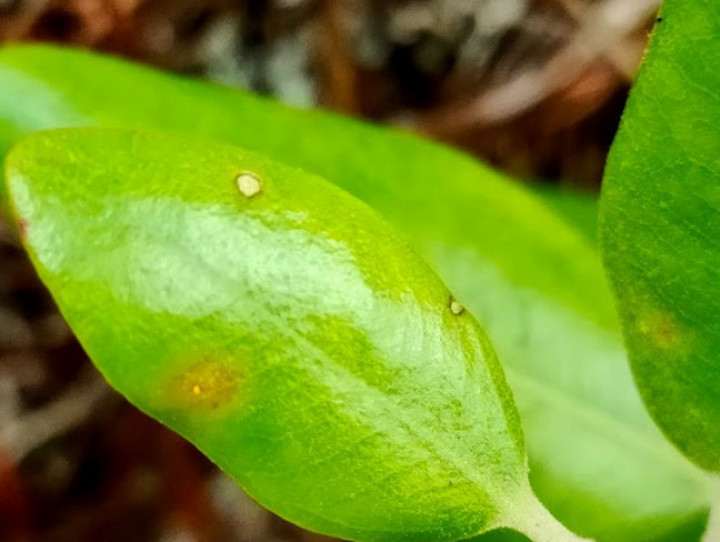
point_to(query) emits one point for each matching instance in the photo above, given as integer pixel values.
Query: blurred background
(535, 87)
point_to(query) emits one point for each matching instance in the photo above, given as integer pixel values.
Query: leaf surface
(278, 324)
(661, 228)
(534, 282)
(579, 208)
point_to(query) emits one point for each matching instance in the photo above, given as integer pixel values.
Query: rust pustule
(205, 385)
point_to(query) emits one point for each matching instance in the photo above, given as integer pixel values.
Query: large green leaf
(535, 284)
(281, 326)
(661, 228)
(577, 207)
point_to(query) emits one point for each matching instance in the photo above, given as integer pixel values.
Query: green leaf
(579, 208)
(661, 228)
(282, 327)
(534, 282)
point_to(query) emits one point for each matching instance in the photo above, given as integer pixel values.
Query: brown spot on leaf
(205, 385)
(661, 329)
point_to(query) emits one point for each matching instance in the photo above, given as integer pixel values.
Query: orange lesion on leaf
(205, 385)
(661, 329)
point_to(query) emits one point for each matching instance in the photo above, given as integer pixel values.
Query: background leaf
(535, 283)
(579, 208)
(661, 228)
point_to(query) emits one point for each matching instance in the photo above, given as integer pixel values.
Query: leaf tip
(22, 228)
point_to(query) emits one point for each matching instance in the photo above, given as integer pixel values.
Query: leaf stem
(533, 520)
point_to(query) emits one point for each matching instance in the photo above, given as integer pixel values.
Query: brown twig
(603, 30)
(30, 430)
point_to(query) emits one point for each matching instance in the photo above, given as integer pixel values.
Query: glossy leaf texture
(278, 324)
(533, 281)
(661, 228)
